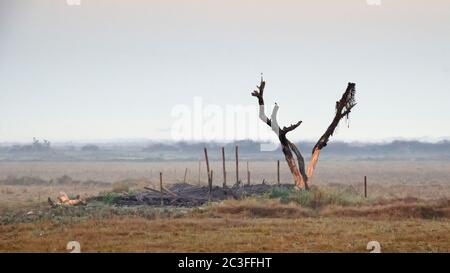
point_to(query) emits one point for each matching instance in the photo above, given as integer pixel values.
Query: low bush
(317, 198)
(109, 198)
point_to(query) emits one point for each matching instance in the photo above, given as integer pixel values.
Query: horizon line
(171, 141)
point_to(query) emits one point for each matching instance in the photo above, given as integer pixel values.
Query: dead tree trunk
(300, 175)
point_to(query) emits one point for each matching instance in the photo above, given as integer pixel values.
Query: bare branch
(347, 111)
(275, 126)
(343, 109)
(259, 95)
(292, 127)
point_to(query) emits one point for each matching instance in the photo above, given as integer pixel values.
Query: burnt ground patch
(187, 195)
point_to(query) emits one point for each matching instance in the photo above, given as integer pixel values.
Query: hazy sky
(116, 69)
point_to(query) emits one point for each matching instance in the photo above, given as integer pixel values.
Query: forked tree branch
(291, 127)
(259, 94)
(288, 147)
(343, 108)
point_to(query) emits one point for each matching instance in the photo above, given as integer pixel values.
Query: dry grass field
(394, 179)
(241, 226)
(345, 172)
(408, 211)
(131, 234)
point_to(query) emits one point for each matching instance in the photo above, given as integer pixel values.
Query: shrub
(109, 198)
(317, 198)
(280, 193)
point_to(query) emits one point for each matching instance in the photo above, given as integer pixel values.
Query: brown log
(169, 191)
(165, 191)
(151, 189)
(64, 199)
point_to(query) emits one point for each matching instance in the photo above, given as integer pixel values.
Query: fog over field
(396, 170)
(43, 150)
(240, 126)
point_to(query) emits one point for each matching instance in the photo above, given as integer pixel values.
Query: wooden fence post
(237, 164)
(185, 173)
(207, 164)
(278, 172)
(224, 170)
(365, 186)
(161, 188)
(210, 185)
(248, 175)
(199, 167)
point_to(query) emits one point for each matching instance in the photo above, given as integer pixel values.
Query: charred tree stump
(297, 168)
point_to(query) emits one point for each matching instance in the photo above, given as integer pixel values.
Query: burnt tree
(302, 174)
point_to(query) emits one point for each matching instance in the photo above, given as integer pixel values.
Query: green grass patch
(110, 197)
(318, 198)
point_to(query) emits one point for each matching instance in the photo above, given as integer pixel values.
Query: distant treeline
(398, 148)
(248, 149)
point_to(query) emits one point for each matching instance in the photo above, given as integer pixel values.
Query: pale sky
(116, 69)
